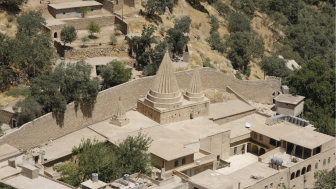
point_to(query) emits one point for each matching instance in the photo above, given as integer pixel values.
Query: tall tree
(325, 179)
(158, 6)
(68, 34)
(177, 36)
(274, 67)
(317, 84)
(214, 24)
(115, 73)
(30, 22)
(238, 23)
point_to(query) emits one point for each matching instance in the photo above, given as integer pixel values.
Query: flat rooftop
(288, 98)
(22, 182)
(285, 157)
(137, 121)
(213, 180)
(169, 151)
(69, 5)
(63, 146)
(229, 108)
(8, 171)
(307, 138)
(93, 185)
(244, 175)
(54, 22)
(7, 151)
(238, 162)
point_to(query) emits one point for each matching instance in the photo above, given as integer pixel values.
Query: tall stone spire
(119, 118)
(194, 91)
(164, 92)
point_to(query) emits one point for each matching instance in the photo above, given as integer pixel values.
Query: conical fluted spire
(195, 85)
(165, 80)
(120, 111)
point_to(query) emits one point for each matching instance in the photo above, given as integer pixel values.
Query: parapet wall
(54, 126)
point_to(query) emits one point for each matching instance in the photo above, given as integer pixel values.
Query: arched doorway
(255, 149)
(297, 173)
(262, 151)
(292, 176)
(303, 171)
(55, 35)
(308, 168)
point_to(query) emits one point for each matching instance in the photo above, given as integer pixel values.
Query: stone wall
(54, 126)
(230, 118)
(30, 171)
(124, 25)
(107, 4)
(218, 144)
(7, 117)
(82, 23)
(130, 3)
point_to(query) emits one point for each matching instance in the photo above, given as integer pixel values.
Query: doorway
(36, 159)
(55, 35)
(248, 147)
(14, 123)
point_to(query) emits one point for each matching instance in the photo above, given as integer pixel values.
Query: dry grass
(217, 96)
(4, 99)
(10, 27)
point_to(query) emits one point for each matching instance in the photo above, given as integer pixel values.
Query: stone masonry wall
(82, 23)
(54, 126)
(124, 25)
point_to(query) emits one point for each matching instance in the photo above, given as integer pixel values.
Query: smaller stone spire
(194, 92)
(119, 118)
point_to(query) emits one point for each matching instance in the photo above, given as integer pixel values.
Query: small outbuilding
(288, 104)
(71, 9)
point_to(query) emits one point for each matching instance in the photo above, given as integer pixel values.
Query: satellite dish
(248, 124)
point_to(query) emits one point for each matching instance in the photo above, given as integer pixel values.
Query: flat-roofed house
(71, 9)
(288, 104)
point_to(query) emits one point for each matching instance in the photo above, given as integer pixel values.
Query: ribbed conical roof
(165, 80)
(195, 85)
(120, 111)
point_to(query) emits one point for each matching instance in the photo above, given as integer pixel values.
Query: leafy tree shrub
(238, 76)
(28, 110)
(245, 6)
(12, 3)
(279, 18)
(5, 186)
(30, 22)
(16, 92)
(324, 179)
(216, 42)
(68, 34)
(85, 39)
(158, 6)
(114, 73)
(274, 67)
(11, 18)
(206, 63)
(117, 28)
(93, 28)
(224, 71)
(244, 45)
(176, 35)
(222, 8)
(317, 83)
(113, 40)
(214, 24)
(83, 11)
(238, 22)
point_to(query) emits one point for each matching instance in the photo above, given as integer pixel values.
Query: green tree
(113, 40)
(238, 23)
(75, 81)
(85, 39)
(83, 11)
(132, 154)
(93, 28)
(28, 110)
(214, 24)
(176, 36)
(68, 34)
(117, 28)
(216, 42)
(274, 67)
(325, 179)
(245, 6)
(5, 186)
(12, 3)
(244, 45)
(222, 8)
(120, 73)
(206, 63)
(143, 44)
(30, 22)
(317, 84)
(158, 6)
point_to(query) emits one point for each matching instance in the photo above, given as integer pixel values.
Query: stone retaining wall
(53, 126)
(82, 23)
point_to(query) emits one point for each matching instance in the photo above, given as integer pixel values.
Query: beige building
(288, 104)
(71, 9)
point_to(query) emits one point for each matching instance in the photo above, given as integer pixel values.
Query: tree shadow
(87, 107)
(59, 116)
(153, 18)
(93, 37)
(12, 9)
(198, 6)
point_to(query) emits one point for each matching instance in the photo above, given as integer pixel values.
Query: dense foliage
(28, 110)
(317, 83)
(158, 6)
(5, 186)
(115, 73)
(68, 34)
(206, 63)
(110, 162)
(325, 179)
(30, 22)
(177, 35)
(274, 66)
(238, 22)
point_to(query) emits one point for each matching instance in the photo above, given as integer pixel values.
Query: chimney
(94, 177)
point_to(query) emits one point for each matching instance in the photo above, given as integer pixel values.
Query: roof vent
(94, 177)
(198, 162)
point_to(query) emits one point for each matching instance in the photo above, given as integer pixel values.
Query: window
(255, 135)
(183, 161)
(303, 171)
(261, 137)
(286, 104)
(292, 176)
(266, 187)
(91, 9)
(328, 160)
(272, 142)
(316, 166)
(176, 163)
(218, 158)
(271, 185)
(308, 168)
(324, 162)
(63, 12)
(297, 173)
(234, 150)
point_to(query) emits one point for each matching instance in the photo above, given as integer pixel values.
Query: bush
(11, 18)
(207, 63)
(5, 186)
(222, 8)
(238, 76)
(117, 28)
(85, 39)
(93, 27)
(113, 40)
(216, 42)
(16, 92)
(214, 24)
(224, 71)
(238, 22)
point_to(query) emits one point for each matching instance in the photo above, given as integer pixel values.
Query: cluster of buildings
(196, 145)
